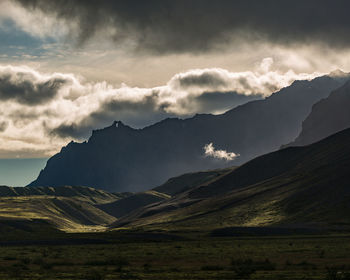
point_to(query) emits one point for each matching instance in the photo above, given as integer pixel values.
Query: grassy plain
(158, 256)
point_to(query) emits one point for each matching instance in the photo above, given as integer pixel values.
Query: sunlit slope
(65, 191)
(297, 186)
(66, 208)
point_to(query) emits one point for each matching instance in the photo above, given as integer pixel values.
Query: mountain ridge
(120, 158)
(328, 116)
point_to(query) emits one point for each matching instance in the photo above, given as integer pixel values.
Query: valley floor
(157, 256)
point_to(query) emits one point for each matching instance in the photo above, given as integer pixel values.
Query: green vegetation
(67, 208)
(171, 187)
(187, 181)
(124, 206)
(138, 255)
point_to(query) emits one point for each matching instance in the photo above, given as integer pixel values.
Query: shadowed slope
(124, 206)
(171, 187)
(328, 116)
(181, 183)
(295, 186)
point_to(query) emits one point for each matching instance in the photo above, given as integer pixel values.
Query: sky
(20, 172)
(68, 67)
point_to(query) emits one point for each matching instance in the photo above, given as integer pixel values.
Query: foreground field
(157, 256)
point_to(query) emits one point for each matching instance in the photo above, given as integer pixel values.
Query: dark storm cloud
(23, 88)
(198, 25)
(148, 111)
(203, 79)
(70, 130)
(223, 101)
(71, 108)
(3, 125)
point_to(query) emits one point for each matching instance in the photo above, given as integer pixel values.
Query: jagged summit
(115, 124)
(116, 127)
(119, 124)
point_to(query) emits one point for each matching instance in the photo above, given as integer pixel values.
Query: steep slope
(124, 206)
(66, 208)
(173, 186)
(328, 116)
(120, 158)
(300, 186)
(186, 181)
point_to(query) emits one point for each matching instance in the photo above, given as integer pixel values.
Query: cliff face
(120, 158)
(328, 116)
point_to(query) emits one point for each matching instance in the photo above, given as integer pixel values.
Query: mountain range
(119, 158)
(294, 187)
(304, 187)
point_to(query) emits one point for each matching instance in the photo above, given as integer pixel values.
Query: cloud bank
(27, 87)
(167, 26)
(42, 111)
(210, 151)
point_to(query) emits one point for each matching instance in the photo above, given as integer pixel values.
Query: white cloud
(76, 106)
(263, 81)
(210, 151)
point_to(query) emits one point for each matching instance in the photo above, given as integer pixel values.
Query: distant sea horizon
(19, 172)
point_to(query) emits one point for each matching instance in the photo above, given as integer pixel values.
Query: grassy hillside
(184, 182)
(126, 205)
(87, 209)
(298, 186)
(92, 194)
(66, 208)
(173, 186)
(295, 187)
(69, 214)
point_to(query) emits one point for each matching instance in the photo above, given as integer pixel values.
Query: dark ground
(158, 256)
